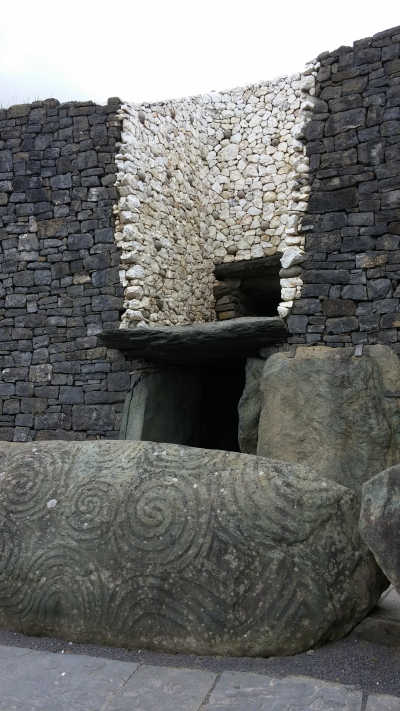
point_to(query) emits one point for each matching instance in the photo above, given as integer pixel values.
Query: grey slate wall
(59, 272)
(352, 271)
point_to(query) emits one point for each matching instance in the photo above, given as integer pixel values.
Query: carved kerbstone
(162, 547)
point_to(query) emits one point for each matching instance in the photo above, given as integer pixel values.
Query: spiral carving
(63, 590)
(89, 512)
(186, 550)
(164, 520)
(28, 482)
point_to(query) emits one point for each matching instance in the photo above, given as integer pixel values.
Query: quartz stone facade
(215, 178)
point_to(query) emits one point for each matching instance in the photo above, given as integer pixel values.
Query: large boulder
(380, 521)
(249, 407)
(330, 410)
(162, 547)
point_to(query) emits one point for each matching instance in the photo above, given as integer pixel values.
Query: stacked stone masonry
(351, 271)
(59, 272)
(215, 178)
(115, 216)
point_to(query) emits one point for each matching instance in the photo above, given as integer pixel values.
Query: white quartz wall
(210, 179)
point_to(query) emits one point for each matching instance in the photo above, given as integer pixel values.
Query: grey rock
(327, 409)
(6, 434)
(249, 407)
(263, 266)
(330, 201)
(71, 395)
(42, 276)
(290, 272)
(7, 389)
(297, 324)
(339, 307)
(66, 682)
(93, 417)
(379, 288)
(344, 121)
(61, 181)
(156, 546)
(380, 519)
(344, 324)
(382, 702)
(382, 625)
(200, 342)
(238, 691)
(163, 689)
(6, 161)
(52, 420)
(118, 381)
(40, 373)
(165, 406)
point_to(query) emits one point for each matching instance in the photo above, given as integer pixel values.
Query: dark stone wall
(352, 270)
(59, 272)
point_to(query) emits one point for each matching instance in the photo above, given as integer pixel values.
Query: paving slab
(44, 681)
(163, 689)
(383, 703)
(39, 681)
(238, 691)
(382, 625)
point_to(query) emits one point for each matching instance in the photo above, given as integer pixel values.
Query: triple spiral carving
(131, 543)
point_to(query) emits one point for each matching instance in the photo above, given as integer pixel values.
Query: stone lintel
(200, 342)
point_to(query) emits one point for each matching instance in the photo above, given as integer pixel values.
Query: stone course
(59, 272)
(351, 270)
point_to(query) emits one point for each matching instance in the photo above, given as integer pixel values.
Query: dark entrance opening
(193, 405)
(248, 288)
(188, 380)
(224, 384)
(264, 292)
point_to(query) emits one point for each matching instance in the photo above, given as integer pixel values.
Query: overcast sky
(143, 50)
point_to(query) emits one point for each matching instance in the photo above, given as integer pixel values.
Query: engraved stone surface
(167, 548)
(327, 409)
(380, 521)
(238, 691)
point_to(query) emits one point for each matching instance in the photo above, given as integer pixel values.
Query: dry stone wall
(59, 272)
(215, 178)
(351, 271)
(115, 216)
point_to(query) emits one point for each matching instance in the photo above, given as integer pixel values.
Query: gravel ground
(373, 668)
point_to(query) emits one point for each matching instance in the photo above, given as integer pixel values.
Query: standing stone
(165, 406)
(380, 521)
(250, 406)
(327, 409)
(162, 547)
